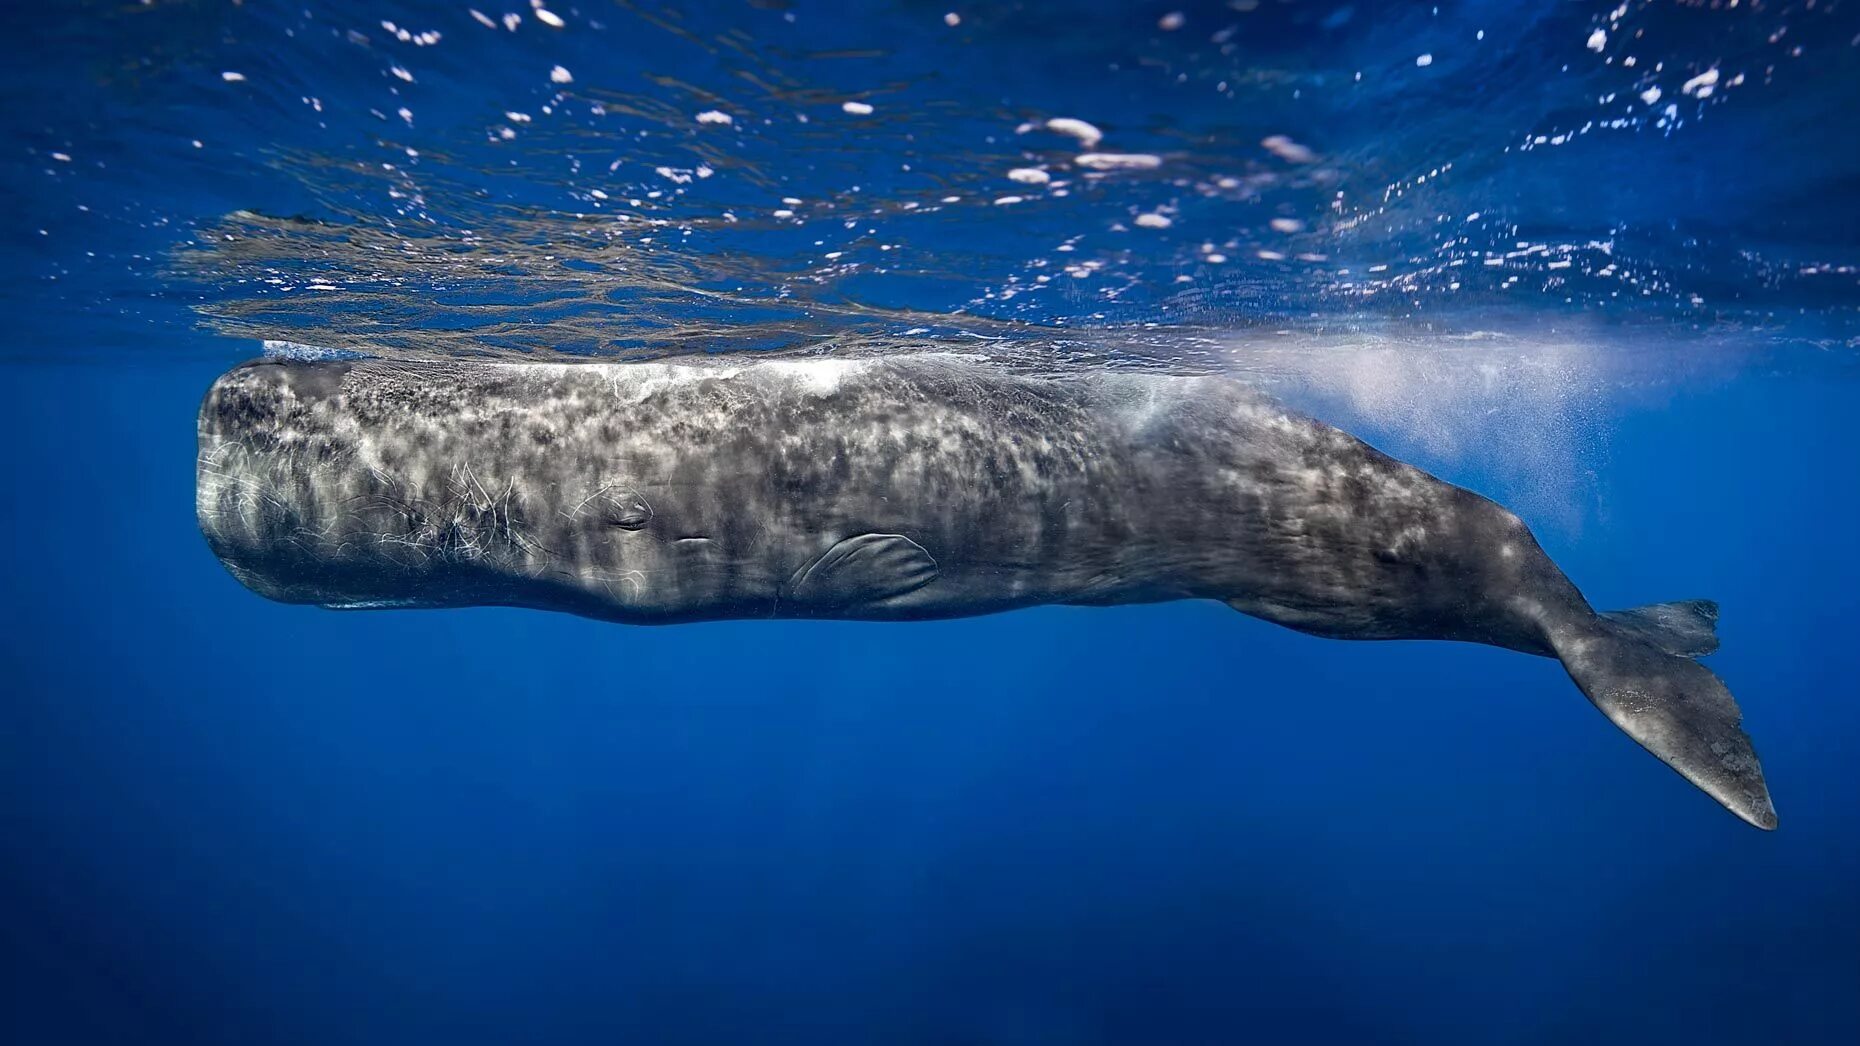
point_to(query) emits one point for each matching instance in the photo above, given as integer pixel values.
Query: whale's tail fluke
(1688, 628)
(1635, 666)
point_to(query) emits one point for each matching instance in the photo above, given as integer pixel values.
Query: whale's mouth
(284, 573)
(368, 560)
(264, 582)
(250, 579)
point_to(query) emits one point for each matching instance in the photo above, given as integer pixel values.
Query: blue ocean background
(224, 820)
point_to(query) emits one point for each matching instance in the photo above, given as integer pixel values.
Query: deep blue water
(228, 820)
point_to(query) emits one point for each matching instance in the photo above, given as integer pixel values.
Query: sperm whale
(903, 488)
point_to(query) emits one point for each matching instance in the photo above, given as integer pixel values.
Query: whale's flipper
(1676, 708)
(1688, 628)
(861, 571)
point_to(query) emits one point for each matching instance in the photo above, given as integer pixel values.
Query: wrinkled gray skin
(899, 489)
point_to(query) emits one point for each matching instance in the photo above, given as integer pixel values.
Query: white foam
(1285, 149)
(1702, 84)
(1119, 161)
(1088, 135)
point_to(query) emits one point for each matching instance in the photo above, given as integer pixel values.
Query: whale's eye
(626, 510)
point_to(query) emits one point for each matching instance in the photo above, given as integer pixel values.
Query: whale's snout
(273, 491)
(310, 493)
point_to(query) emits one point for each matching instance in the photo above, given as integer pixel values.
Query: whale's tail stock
(1635, 665)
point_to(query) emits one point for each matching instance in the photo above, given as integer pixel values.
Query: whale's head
(280, 501)
(409, 493)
